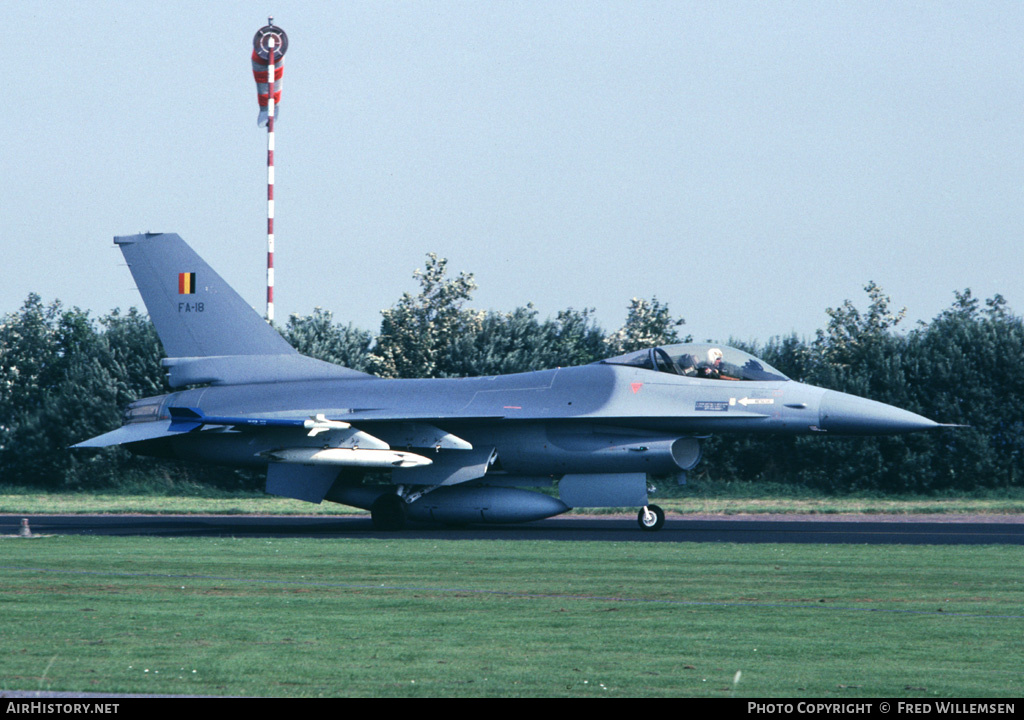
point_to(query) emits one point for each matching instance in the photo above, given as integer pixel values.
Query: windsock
(261, 57)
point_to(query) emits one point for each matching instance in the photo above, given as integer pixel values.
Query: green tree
(859, 352)
(648, 324)
(59, 387)
(519, 342)
(28, 359)
(134, 353)
(417, 332)
(967, 367)
(65, 377)
(318, 336)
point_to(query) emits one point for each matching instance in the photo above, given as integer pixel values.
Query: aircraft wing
(406, 433)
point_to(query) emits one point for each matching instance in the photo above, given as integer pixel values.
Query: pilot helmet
(714, 355)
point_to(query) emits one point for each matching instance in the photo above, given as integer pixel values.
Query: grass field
(306, 617)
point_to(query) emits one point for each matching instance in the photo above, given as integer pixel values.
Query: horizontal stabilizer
(134, 432)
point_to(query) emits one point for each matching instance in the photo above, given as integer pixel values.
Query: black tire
(388, 512)
(646, 524)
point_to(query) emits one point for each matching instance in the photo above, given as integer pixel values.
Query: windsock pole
(270, 183)
(269, 46)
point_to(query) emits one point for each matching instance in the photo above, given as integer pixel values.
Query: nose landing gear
(651, 517)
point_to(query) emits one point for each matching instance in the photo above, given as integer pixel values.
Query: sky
(749, 164)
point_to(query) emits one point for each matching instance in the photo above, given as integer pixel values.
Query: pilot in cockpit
(712, 368)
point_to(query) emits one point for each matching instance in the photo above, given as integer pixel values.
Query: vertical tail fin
(196, 313)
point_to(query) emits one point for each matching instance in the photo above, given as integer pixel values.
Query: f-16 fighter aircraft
(459, 450)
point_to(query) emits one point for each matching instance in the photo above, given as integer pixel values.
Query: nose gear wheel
(651, 518)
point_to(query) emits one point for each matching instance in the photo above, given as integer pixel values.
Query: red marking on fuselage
(636, 387)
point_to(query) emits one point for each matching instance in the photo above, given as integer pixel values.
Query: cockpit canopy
(700, 360)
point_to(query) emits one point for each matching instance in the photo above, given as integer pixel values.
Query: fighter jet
(458, 450)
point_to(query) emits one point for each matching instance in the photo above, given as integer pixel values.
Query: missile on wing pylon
(320, 423)
(353, 457)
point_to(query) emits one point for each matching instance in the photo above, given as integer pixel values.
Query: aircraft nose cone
(851, 415)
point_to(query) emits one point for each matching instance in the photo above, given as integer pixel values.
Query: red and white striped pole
(269, 46)
(270, 183)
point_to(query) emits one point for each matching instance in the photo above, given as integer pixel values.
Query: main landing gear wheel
(651, 517)
(388, 512)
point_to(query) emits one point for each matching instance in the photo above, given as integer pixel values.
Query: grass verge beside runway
(305, 617)
(184, 498)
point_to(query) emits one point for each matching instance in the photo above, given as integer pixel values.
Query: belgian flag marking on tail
(186, 283)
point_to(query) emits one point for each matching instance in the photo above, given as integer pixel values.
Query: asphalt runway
(873, 530)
